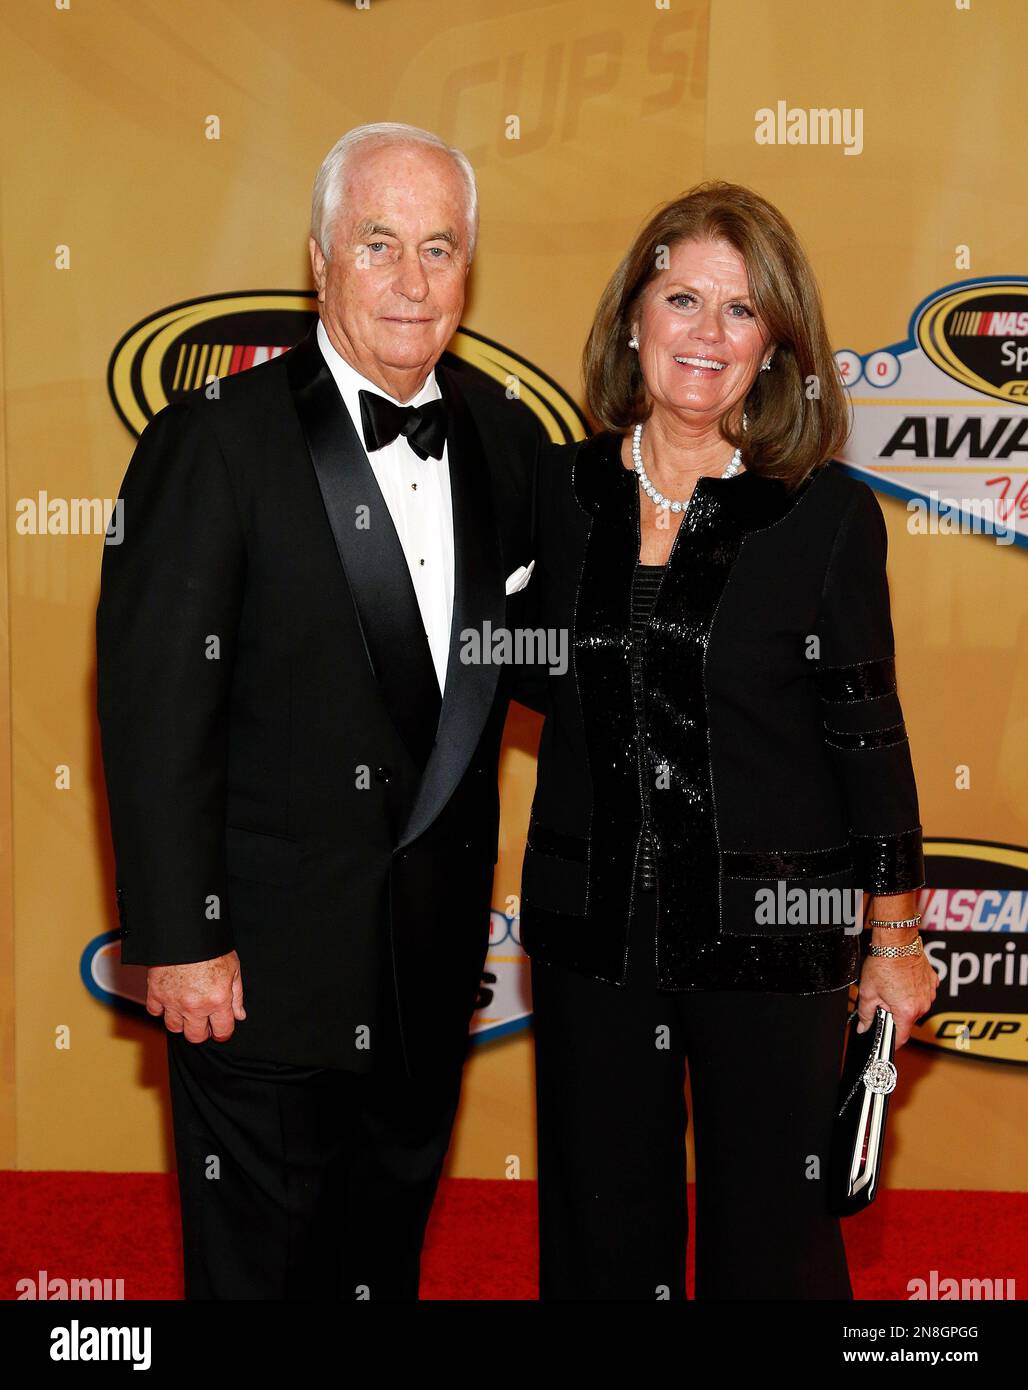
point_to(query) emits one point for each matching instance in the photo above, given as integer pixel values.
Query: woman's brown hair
(797, 412)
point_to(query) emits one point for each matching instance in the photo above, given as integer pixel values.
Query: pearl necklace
(658, 498)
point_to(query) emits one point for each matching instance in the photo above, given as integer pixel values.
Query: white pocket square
(520, 577)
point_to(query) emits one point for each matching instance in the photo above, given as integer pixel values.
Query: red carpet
(481, 1240)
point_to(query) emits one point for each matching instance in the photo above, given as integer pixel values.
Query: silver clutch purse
(858, 1132)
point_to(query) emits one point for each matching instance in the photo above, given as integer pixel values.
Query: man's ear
(317, 267)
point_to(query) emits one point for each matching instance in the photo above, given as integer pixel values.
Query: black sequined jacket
(775, 741)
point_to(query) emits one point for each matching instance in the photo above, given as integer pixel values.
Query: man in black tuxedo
(301, 769)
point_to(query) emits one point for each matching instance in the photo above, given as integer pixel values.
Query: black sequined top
(644, 591)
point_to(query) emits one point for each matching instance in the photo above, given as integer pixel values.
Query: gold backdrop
(117, 204)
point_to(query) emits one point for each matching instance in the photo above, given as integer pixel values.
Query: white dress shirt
(417, 493)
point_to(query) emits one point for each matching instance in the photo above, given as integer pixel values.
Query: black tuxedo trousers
(308, 1183)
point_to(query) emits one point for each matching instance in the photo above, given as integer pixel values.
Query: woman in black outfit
(726, 740)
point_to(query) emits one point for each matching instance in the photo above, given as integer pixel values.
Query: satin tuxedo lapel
(478, 598)
(441, 730)
(371, 555)
(720, 514)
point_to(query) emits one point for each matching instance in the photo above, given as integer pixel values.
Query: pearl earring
(633, 342)
(767, 366)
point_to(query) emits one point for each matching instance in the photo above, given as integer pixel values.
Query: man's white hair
(328, 186)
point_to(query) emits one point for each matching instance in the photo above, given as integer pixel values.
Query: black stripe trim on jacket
(546, 841)
(888, 864)
(867, 680)
(872, 738)
(809, 863)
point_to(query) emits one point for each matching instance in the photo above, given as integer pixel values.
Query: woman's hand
(905, 986)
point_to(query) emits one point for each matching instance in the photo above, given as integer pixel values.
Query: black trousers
(304, 1182)
(610, 1092)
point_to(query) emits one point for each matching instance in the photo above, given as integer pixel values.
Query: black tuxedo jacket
(283, 778)
(775, 746)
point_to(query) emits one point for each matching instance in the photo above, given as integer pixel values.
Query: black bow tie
(423, 425)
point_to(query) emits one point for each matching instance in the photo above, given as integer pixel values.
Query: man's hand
(202, 999)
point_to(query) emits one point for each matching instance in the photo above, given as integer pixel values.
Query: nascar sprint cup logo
(975, 931)
(941, 418)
